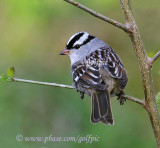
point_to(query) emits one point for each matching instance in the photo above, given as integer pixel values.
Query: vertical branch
(150, 102)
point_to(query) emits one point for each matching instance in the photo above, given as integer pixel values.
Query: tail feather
(95, 117)
(101, 109)
(108, 119)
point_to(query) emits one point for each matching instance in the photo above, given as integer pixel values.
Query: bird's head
(80, 45)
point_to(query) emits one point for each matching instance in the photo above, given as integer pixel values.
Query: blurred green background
(32, 34)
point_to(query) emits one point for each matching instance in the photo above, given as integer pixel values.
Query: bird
(98, 72)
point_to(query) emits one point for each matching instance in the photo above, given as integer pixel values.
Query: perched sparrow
(98, 72)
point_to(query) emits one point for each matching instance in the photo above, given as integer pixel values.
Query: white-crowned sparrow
(98, 72)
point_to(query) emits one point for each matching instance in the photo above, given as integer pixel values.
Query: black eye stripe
(77, 37)
(77, 46)
(90, 37)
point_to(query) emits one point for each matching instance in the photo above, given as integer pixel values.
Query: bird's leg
(121, 98)
(81, 94)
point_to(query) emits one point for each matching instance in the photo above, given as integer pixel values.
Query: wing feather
(88, 75)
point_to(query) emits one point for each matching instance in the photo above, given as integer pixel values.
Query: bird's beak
(65, 52)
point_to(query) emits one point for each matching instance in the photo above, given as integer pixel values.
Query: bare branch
(67, 86)
(143, 60)
(41, 83)
(98, 15)
(155, 57)
(141, 102)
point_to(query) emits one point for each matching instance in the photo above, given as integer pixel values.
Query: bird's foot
(81, 94)
(121, 98)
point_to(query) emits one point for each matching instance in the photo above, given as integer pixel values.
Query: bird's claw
(81, 94)
(121, 98)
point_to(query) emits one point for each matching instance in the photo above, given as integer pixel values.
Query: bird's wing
(110, 61)
(87, 72)
(87, 76)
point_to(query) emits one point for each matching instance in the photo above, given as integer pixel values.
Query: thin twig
(98, 15)
(67, 86)
(41, 83)
(155, 57)
(141, 102)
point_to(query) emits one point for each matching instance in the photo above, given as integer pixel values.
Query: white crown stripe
(72, 38)
(83, 38)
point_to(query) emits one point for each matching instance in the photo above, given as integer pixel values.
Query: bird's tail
(101, 108)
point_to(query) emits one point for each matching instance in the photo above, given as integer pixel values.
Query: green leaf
(9, 79)
(3, 77)
(158, 100)
(151, 54)
(10, 72)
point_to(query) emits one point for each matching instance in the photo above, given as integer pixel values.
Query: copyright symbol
(19, 137)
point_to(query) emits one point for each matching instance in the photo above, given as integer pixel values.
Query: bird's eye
(77, 46)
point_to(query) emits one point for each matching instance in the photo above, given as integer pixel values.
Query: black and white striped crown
(79, 39)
